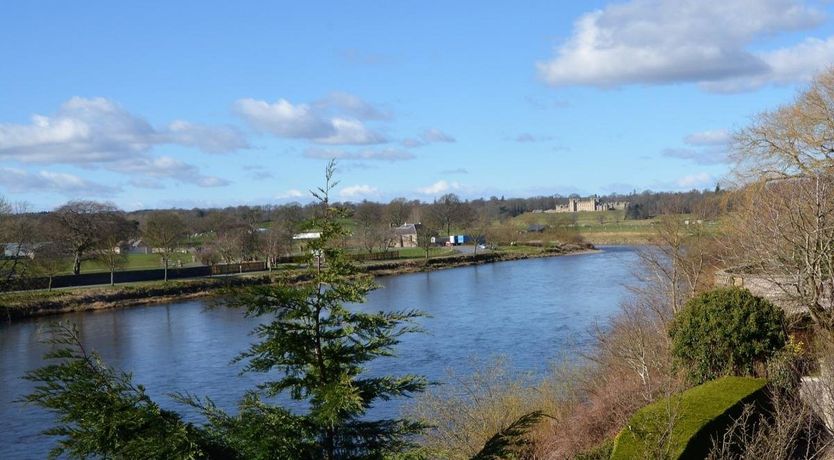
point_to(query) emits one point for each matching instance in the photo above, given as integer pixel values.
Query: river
(528, 311)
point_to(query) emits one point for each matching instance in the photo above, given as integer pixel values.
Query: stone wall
(762, 286)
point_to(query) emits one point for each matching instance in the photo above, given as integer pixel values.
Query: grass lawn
(137, 262)
(699, 413)
(604, 227)
(414, 253)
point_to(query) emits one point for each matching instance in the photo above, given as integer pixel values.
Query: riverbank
(21, 305)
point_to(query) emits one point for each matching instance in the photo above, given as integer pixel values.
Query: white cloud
(711, 137)
(18, 180)
(798, 63)
(696, 180)
(146, 183)
(291, 193)
(387, 154)
(441, 186)
(436, 135)
(428, 136)
(209, 139)
(350, 132)
(341, 102)
(357, 191)
(705, 147)
(311, 122)
(98, 130)
(165, 167)
(704, 41)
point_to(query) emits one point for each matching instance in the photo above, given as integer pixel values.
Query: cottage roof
(405, 229)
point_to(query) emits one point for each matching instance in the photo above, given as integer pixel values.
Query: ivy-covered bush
(726, 331)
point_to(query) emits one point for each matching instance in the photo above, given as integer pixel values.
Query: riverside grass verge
(696, 416)
(21, 305)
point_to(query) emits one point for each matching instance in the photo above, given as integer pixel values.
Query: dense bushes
(726, 331)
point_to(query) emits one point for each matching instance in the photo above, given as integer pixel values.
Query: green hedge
(699, 414)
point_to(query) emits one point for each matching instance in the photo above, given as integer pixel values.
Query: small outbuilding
(405, 236)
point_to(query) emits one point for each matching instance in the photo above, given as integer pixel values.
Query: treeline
(48, 243)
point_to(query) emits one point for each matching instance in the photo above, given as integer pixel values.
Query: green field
(606, 227)
(413, 253)
(137, 262)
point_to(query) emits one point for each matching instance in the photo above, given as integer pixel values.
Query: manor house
(589, 204)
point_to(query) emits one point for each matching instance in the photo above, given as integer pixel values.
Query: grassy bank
(19, 305)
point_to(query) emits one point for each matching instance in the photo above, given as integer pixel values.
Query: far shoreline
(126, 296)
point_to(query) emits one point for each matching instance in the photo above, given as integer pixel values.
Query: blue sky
(212, 104)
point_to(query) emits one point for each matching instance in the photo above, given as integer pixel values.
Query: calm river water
(529, 311)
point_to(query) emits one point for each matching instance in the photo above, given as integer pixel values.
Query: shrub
(683, 425)
(726, 331)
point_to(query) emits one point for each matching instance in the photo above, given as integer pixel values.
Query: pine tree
(314, 342)
(319, 346)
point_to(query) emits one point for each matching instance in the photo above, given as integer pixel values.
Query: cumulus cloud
(705, 147)
(358, 191)
(710, 137)
(786, 65)
(429, 136)
(703, 41)
(168, 168)
(99, 130)
(316, 122)
(146, 183)
(697, 180)
(209, 139)
(21, 181)
(386, 154)
(291, 193)
(441, 186)
(341, 102)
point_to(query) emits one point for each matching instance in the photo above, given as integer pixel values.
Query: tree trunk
(112, 276)
(165, 260)
(49, 287)
(76, 263)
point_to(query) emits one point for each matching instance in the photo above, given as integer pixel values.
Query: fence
(158, 274)
(242, 267)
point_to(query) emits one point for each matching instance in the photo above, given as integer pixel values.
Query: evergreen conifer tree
(316, 347)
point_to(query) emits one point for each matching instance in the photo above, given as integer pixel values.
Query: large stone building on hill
(589, 204)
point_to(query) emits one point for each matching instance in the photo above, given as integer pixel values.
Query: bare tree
(371, 230)
(16, 238)
(79, 226)
(50, 259)
(785, 227)
(398, 211)
(678, 262)
(784, 233)
(164, 232)
(794, 140)
(447, 211)
(276, 242)
(115, 230)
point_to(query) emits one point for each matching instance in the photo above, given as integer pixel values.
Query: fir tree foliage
(318, 346)
(101, 412)
(313, 346)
